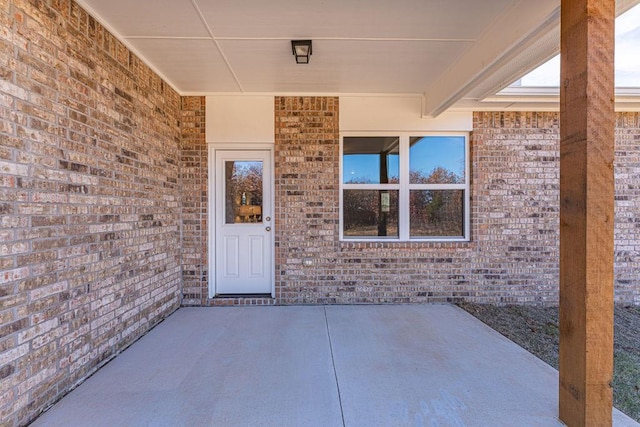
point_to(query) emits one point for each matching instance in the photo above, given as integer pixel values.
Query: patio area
(432, 365)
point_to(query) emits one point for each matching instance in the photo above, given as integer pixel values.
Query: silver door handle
(268, 228)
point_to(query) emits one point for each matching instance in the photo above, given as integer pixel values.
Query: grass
(626, 384)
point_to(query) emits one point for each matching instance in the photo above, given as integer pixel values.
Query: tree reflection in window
(436, 213)
(370, 213)
(436, 160)
(405, 187)
(243, 192)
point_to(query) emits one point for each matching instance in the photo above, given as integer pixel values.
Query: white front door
(244, 239)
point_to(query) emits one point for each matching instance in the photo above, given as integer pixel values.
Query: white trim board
(397, 114)
(240, 119)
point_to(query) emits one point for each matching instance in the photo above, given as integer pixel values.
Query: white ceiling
(443, 49)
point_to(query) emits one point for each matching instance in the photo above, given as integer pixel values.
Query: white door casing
(243, 252)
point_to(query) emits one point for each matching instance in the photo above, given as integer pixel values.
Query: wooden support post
(586, 211)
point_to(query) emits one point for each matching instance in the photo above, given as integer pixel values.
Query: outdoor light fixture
(302, 50)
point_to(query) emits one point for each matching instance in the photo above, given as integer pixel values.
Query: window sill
(404, 244)
(416, 240)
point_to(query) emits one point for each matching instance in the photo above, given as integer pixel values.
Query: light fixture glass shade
(302, 50)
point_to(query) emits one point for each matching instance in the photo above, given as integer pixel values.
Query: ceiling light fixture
(302, 50)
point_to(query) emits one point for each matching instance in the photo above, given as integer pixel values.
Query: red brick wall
(529, 144)
(306, 199)
(515, 211)
(307, 212)
(89, 201)
(627, 208)
(513, 253)
(193, 175)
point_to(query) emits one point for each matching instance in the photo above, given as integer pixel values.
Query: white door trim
(211, 206)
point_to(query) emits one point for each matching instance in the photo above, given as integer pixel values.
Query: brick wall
(512, 257)
(306, 198)
(539, 145)
(307, 221)
(193, 175)
(515, 207)
(89, 201)
(627, 208)
(513, 253)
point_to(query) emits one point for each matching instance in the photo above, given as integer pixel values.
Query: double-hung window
(405, 187)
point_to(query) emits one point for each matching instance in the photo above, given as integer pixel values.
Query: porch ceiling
(444, 49)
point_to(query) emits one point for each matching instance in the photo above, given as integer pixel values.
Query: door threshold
(243, 296)
(242, 299)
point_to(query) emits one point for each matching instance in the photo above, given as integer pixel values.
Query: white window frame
(404, 188)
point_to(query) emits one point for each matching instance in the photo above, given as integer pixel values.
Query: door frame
(211, 206)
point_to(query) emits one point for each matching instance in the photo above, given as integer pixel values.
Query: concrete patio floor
(413, 365)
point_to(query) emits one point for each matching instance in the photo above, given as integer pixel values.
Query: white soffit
(511, 33)
(336, 63)
(495, 93)
(348, 19)
(441, 48)
(191, 63)
(155, 18)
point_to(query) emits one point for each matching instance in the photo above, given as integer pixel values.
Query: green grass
(626, 383)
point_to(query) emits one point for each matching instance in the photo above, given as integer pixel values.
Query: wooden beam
(586, 211)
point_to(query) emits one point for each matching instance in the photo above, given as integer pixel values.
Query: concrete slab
(414, 365)
(404, 365)
(246, 366)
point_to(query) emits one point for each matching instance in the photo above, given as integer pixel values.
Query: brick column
(194, 200)
(306, 182)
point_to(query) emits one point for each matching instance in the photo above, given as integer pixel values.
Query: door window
(243, 191)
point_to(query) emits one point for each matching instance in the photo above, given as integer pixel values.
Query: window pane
(370, 213)
(437, 160)
(243, 191)
(370, 160)
(436, 213)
